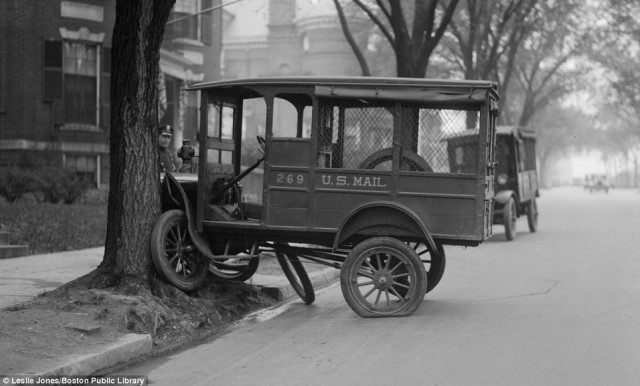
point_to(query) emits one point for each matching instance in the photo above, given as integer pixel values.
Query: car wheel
(297, 276)
(174, 255)
(373, 272)
(238, 268)
(434, 266)
(532, 215)
(509, 218)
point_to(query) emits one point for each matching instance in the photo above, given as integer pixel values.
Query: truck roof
(515, 130)
(436, 90)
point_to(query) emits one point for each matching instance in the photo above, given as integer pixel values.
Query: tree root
(155, 307)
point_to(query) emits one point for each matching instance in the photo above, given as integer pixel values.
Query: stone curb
(128, 347)
(135, 346)
(283, 291)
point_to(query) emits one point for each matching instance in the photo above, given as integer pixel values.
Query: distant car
(516, 175)
(596, 182)
(516, 179)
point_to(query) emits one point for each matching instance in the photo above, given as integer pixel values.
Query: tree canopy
(546, 55)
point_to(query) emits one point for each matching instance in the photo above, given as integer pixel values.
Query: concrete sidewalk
(23, 278)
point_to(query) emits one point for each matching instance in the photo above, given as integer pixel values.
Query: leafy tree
(413, 30)
(485, 37)
(618, 138)
(558, 130)
(614, 43)
(488, 31)
(543, 67)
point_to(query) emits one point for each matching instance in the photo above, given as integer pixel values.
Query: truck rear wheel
(434, 266)
(383, 276)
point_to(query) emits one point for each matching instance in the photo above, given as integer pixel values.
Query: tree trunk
(134, 199)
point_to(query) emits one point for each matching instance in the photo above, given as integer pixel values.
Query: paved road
(559, 307)
(22, 278)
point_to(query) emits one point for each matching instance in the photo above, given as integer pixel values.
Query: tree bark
(134, 189)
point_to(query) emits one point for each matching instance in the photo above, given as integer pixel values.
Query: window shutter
(53, 82)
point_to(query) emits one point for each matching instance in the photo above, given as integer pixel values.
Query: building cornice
(76, 147)
(82, 34)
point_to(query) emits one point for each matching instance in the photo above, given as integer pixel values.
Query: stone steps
(7, 250)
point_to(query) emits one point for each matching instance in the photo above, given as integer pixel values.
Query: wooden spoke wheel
(433, 265)
(173, 253)
(383, 276)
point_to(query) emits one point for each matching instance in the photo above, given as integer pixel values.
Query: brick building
(55, 66)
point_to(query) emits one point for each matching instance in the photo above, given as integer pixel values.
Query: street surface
(558, 307)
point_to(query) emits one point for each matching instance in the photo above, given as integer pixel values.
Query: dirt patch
(39, 334)
(36, 335)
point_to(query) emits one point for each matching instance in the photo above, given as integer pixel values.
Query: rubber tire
(509, 219)
(300, 279)
(532, 215)
(413, 160)
(436, 266)
(172, 225)
(355, 262)
(216, 270)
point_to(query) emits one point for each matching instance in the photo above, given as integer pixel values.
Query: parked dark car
(516, 179)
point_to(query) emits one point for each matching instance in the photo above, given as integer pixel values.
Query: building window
(192, 25)
(76, 79)
(188, 27)
(169, 114)
(80, 82)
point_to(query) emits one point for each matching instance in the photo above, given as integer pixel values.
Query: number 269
(290, 179)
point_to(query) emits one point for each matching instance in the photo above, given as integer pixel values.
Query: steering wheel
(261, 142)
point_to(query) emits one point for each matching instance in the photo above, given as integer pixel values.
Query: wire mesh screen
(351, 132)
(358, 134)
(446, 139)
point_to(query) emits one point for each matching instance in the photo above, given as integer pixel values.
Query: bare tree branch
(377, 21)
(352, 42)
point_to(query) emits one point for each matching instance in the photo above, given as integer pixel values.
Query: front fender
(174, 197)
(398, 216)
(503, 196)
